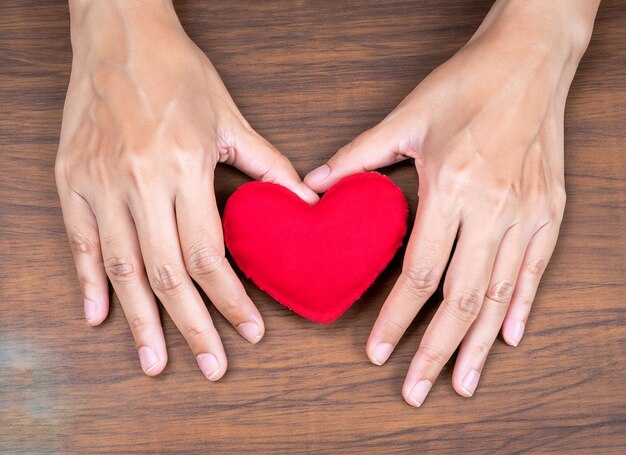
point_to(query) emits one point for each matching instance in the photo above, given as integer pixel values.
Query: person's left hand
(486, 132)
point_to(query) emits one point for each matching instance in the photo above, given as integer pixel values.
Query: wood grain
(309, 76)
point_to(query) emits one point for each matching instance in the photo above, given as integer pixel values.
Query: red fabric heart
(316, 260)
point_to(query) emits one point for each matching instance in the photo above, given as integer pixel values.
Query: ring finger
(124, 267)
(160, 247)
(481, 336)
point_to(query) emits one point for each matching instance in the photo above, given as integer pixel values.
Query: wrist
(105, 23)
(80, 6)
(558, 28)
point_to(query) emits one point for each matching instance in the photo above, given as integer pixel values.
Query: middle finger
(464, 290)
(203, 245)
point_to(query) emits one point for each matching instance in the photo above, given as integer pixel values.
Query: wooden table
(309, 76)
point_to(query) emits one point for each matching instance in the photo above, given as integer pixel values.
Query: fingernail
(381, 353)
(515, 332)
(307, 194)
(209, 365)
(470, 382)
(318, 175)
(148, 358)
(250, 331)
(418, 393)
(91, 310)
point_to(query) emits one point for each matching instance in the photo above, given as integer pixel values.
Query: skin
(485, 131)
(146, 121)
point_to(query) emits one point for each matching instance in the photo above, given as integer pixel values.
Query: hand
(486, 132)
(146, 121)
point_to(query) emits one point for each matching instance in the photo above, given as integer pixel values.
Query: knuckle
(119, 269)
(348, 149)
(536, 266)
(137, 168)
(450, 182)
(499, 192)
(235, 304)
(167, 280)
(275, 164)
(280, 161)
(197, 333)
(227, 154)
(65, 166)
(83, 244)
(479, 350)
(432, 355)
(84, 280)
(558, 204)
(464, 305)
(421, 279)
(204, 261)
(501, 292)
(524, 301)
(363, 139)
(60, 166)
(140, 323)
(391, 328)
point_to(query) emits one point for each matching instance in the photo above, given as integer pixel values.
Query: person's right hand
(146, 121)
(485, 132)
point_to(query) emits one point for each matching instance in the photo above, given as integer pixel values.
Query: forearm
(111, 24)
(561, 25)
(136, 7)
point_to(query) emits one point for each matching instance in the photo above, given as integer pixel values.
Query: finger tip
(415, 393)
(256, 339)
(410, 401)
(213, 365)
(310, 196)
(252, 331)
(406, 395)
(217, 375)
(95, 311)
(370, 356)
(304, 192)
(153, 372)
(152, 359)
(316, 178)
(95, 320)
(155, 369)
(511, 343)
(512, 332)
(311, 193)
(261, 333)
(380, 352)
(309, 181)
(462, 391)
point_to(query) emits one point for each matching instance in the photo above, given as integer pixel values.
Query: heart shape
(316, 260)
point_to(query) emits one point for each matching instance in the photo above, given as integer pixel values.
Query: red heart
(316, 260)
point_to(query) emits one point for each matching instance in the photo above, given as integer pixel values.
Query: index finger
(425, 260)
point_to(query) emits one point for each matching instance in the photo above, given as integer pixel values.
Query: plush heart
(316, 260)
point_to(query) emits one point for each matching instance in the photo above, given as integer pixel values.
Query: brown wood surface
(309, 76)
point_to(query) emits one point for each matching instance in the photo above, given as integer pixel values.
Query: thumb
(257, 158)
(373, 149)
